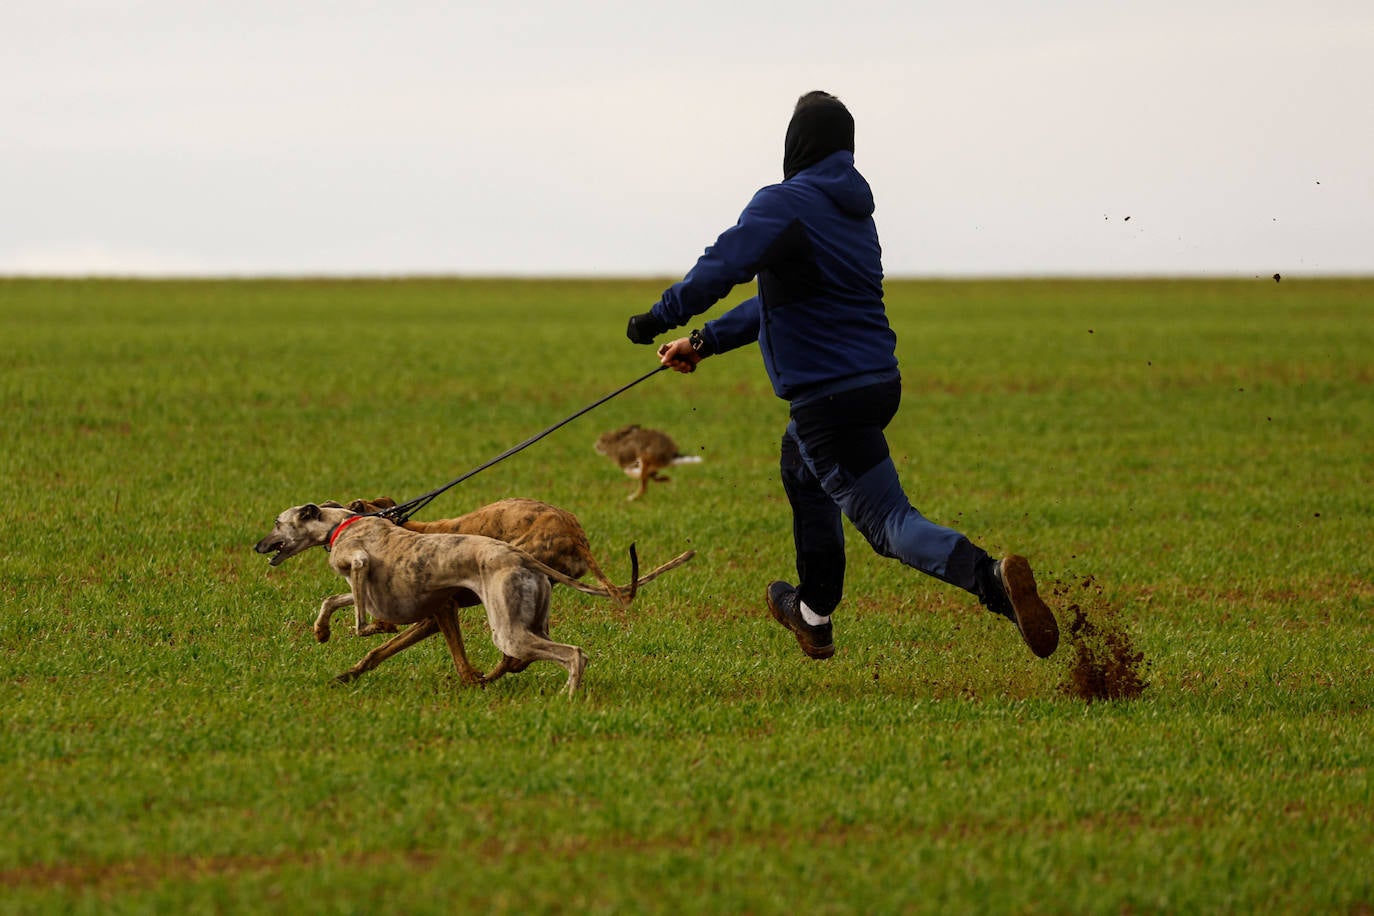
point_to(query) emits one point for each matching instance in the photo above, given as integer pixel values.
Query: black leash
(405, 510)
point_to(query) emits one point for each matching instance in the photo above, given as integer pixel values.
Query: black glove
(644, 328)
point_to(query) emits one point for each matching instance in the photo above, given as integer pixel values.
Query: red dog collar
(338, 529)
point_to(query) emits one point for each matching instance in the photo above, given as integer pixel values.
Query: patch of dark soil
(1106, 664)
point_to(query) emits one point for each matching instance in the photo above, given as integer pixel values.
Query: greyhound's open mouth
(278, 549)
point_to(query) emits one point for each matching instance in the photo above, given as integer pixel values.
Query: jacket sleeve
(735, 328)
(735, 258)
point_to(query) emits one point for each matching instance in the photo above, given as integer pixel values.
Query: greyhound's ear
(384, 502)
(330, 504)
(357, 506)
(310, 512)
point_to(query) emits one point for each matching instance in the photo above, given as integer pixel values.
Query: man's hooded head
(820, 126)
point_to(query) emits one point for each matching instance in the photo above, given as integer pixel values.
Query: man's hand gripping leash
(679, 355)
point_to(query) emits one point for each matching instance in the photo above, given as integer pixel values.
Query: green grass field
(1191, 462)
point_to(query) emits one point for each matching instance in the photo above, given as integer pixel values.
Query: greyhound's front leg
(359, 618)
(362, 626)
(362, 594)
(327, 609)
(365, 626)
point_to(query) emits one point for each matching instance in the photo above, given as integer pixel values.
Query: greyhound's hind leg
(523, 647)
(407, 638)
(447, 621)
(506, 665)
(518, 609)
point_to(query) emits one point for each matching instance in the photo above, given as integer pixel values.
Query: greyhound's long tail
(623, 594)
(619, 591)
(615, 591)
(634, 578)
(657, 571)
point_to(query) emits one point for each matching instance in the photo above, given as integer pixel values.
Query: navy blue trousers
(835, 461)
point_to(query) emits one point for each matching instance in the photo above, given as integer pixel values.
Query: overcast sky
(1107, 137)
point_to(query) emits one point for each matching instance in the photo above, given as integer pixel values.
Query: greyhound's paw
(575, 670)
(322, 632)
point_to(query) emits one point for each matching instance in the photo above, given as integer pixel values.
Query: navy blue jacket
(818, 316)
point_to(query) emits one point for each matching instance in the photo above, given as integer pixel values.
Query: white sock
(811, 617)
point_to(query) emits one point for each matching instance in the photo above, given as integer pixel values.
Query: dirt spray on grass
(1105, 664)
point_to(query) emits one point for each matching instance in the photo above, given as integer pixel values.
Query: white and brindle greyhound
(404, 577)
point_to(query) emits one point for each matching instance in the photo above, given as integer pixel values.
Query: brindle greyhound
(551, 535)
(403, 577)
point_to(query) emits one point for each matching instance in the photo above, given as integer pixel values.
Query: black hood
(820, 126)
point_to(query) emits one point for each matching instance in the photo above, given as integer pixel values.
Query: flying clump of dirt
(1106, 664)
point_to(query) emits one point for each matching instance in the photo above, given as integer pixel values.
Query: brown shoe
(817, 642)
(1010, 591)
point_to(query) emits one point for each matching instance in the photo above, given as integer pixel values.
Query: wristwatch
(697, 341)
